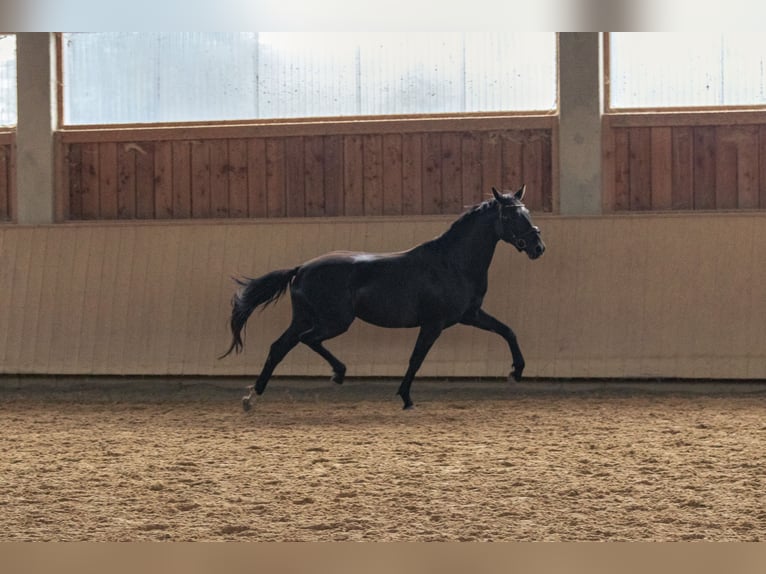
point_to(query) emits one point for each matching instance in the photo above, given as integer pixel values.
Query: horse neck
(470, 242)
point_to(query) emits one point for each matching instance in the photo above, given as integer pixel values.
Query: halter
(518, 240)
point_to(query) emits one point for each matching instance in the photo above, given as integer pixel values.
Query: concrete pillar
(580, 123)
(37, 117)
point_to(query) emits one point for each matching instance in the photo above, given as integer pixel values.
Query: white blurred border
(379, 15)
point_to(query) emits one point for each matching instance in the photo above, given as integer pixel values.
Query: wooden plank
(163, 180)
(353, 175)
(608, 173)
(762, 166)
(680, 118)
(333, 175)
(74, 170)
(548, 171)
(314, 162)
(237, 178)
(704, 167)
(532, 172)
(219, 178)
(4, 183)
(275, 178)
(181, 179)
(726, 168)
(491, 161)
(126, 181)
(662, 168)
(295, 181)
(432, 174)
(392, 174)
(257, 192)
(621, 194)
(471, 172)
(372, 178)
(90, 177)
(107, 187)
(145, 180)
(512, 177)
(682, 193)
(640, 178)
(412, 174)
(452, 172)
(748, 171)
(201, 206)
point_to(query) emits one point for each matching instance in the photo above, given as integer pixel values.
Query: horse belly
(385, 309)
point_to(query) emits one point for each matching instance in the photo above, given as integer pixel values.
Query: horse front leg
(426, 338)
(483, 320)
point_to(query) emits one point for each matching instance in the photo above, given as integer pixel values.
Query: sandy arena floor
(179, 460)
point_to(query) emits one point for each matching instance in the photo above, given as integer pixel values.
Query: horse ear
(496, 193)
(520, 194)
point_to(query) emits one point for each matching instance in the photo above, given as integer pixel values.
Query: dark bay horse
(433, 286)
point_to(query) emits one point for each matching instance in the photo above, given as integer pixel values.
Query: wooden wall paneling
(275, 177)
(314, 176)
(621, 188)
(90, 181)
(748, 171)
(393, 174)
(532, 172)
(237, 176)
(682, 193)
(5, 187)
(662, 168)
(62, 315)
(182, 176)
(412, 174)
(608, 168)
(201, 205)
(107, 187)
(372, 174)
(471, 183)
(74, 176)
(10, 303)
(126, 181)
(512, 177)
(491, 162)
(452, 172)
(762, 166)
(704, 167)
(333, 175)
(726, 160)
(257, 190)
(353, 175)
(26, 330)
(295, 177)
(163, 180)
(432, 174)
(548, 173)
(145, 193)
(219, 178)
(640, 179)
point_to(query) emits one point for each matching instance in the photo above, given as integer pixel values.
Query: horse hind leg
(314, 337)
(279, 348)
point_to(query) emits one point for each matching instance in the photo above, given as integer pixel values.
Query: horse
(432, 286)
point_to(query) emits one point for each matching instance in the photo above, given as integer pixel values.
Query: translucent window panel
(670, 70)
(8, 100)
(113, 78)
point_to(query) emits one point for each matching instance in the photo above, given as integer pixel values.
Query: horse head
(514, 224)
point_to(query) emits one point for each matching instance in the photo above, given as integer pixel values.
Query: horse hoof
(408, 407)
(246, 405)
(337, 378)
(515, 375)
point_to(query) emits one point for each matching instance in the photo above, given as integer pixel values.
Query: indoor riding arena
(640, 414)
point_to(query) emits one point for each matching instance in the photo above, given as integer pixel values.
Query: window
(7, 80)
(681, 70)
(119, 78)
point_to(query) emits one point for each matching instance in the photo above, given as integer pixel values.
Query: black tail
(254, 293)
